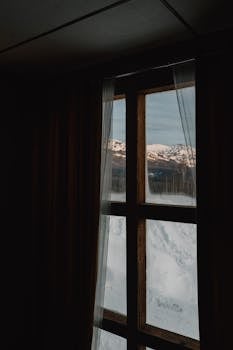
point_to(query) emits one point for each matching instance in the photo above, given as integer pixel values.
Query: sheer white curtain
(105, 195)
(184, 80)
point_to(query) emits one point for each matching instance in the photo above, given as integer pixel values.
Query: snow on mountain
(118, 148)
(157, 148)
(180, 154)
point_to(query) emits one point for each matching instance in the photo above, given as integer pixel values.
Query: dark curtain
(15, 223)
(215, 241)
(50, 138)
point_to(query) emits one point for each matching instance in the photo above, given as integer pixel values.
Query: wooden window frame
(136, 211)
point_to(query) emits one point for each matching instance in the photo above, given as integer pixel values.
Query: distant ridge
(180, 154)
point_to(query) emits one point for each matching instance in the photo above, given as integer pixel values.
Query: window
(151, 286)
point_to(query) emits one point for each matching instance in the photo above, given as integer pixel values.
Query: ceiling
(35, 32)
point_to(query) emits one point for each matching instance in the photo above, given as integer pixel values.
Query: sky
(163, 122)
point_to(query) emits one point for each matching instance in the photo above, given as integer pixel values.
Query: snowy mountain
(170, 169)
(180, 154)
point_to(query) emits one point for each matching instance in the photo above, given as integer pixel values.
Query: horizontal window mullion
(154, 212)
(167, 213)
(115, 316)
(116, 328)
(150, 340)
(115, 208)
(171, 337)
(157, 343)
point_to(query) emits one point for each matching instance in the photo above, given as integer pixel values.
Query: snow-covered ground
(115, 287)
(118, 197)
(109, 341)
(171, 274)
(169, 199)
(172, 277)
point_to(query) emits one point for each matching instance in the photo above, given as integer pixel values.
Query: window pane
(171, 161)
(171, 274)
(115, 288)
(109, 341)
(118, 150)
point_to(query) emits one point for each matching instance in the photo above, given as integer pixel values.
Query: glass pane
(171, 255)
(118, 150)
(171, 161)
(109, 341)
(115, 288)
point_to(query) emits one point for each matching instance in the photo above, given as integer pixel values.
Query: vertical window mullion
(135, 194)
(141, 228)
(131, 220)
(141, 232)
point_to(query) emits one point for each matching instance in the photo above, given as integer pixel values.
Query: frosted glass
(118, 148)
(109, 341)
(170, 164)
(171, 274)
(115, 288)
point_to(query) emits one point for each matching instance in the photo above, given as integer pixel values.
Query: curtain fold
(184, 80)
(65, 213)
(105, 195)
